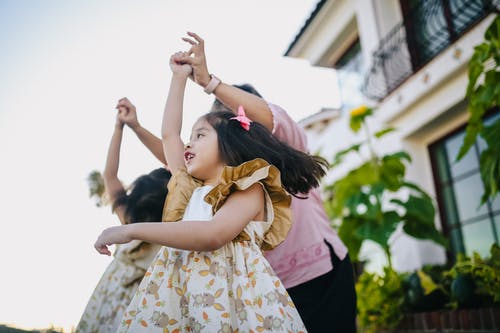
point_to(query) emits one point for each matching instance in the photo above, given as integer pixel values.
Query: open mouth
(188, 156)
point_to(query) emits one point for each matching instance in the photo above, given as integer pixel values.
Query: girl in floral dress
(229, 192)
(142, 202)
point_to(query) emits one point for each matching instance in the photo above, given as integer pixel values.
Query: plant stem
(369, 141)
(388, 254)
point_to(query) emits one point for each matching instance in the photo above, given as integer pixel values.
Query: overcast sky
(63, 66)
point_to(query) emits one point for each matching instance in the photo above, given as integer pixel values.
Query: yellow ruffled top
(241, 177)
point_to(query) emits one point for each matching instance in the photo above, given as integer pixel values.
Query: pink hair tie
(242, 118)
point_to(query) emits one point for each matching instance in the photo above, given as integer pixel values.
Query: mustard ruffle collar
(241, 177)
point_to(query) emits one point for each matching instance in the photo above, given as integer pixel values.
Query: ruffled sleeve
(180, 189)
(245, 175)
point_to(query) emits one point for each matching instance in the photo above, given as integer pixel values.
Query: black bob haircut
(145, 198)
(300, 172)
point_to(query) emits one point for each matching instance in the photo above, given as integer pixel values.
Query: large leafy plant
(383, 299)
(380, 300)
(476, 280)
(366, 198)
(483, 94)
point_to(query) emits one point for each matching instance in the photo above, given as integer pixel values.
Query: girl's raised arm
(173, 146)
(152, 143)
(112, 184)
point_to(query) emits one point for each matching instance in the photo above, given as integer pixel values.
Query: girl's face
(201, 155)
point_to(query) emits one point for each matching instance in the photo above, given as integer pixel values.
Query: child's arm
(240, 208)
(112, 184)
(172, 115)
(255, 107)
(151, 142)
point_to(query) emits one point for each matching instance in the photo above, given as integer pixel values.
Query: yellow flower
(359, 111)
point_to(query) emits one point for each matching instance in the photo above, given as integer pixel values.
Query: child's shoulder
(242, 177)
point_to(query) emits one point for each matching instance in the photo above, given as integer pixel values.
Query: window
(459, 188)
(432, 25)
(350, 73)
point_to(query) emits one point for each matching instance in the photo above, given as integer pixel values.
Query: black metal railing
(429, 27)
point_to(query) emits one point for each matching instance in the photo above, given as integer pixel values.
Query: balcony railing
(429, 27)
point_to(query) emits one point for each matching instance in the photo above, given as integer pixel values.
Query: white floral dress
(232, 289)
(116, 287)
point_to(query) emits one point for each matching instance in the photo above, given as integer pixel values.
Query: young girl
(312, 262)
(143, 202)
(211, 275)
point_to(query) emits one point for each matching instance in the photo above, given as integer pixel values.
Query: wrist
(212, 85)
(204, 80)
(135, 126)
(119, 127)
(179, 76)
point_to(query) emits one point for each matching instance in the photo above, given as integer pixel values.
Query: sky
(63, 66)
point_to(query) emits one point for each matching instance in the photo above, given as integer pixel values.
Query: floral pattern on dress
(232, 289)
(114, 292)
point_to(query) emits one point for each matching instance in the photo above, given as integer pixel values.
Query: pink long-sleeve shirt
(303, 255)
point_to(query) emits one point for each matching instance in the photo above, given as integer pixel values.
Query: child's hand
(129, 116)
(179, 66)
(119, 123)
(198, 62)
(110, 236)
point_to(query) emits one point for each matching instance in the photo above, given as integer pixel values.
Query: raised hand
(197, 59)
(129, 114)
(119, 122)
(179, 66)
(110, 236)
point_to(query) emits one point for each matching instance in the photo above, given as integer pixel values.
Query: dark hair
(300, 172)
(218, 106)
(145, 198)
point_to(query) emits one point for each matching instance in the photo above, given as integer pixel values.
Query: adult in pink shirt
(312, 262)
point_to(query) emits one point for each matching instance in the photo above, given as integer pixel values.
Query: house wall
(426, 107)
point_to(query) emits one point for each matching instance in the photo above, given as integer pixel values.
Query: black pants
(327, 304)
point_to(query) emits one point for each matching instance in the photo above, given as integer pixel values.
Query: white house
(409, 59)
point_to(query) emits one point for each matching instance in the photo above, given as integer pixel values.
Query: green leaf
(402, 155)
(381, 307)
(355, 123)
(482, 52)
(491, 134)
(392, 170)
(416, 189)
(419, 219)
(485, 97)
(426, 282)
(354, 201)
(383, 132)
(492, 33)
(366, 174)
(476, 68)
(471, 132)
(338, 158)
(347, 232)
(380, 231)
(495, 255)
(490, 173)
(489, 161)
